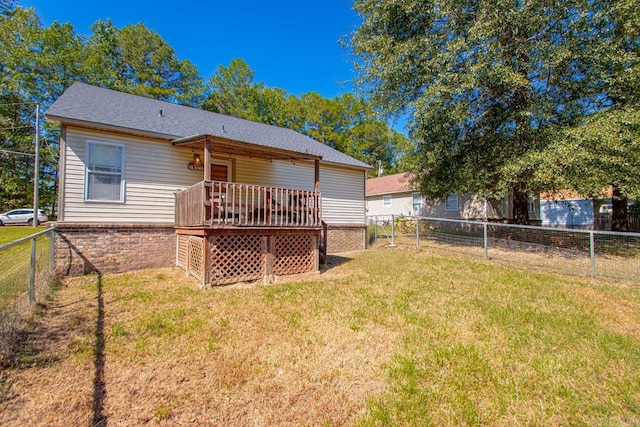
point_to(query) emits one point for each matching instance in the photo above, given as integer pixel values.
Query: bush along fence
(27, 268)
(601, 254)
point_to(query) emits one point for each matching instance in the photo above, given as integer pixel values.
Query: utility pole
(36, 172)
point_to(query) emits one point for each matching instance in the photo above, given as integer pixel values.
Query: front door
(219, 172)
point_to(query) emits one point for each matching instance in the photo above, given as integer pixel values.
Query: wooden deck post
(206, 261)
(317, 176)
(268, 259)
(316, 253)
(207, 160)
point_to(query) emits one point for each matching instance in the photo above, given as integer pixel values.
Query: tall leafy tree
(138, 60)
(37, 64)
(345, 123)
(232, 90)
(485, 83)
(601, 151)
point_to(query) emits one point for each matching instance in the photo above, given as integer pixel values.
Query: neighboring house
(146, 183)
(567, 208)
(571, 213)
(395, 195)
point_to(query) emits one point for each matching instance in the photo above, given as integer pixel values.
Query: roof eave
(385, 193)
(248, 149)
(110, 128)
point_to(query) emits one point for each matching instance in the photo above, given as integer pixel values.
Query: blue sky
(293, 45)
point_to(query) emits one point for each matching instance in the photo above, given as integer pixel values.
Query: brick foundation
(86, 248)
(345, 238)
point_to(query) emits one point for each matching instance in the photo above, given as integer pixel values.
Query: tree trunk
(619, 213)
(520, 206)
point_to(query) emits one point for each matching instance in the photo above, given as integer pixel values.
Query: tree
(137, 60)
(232, 91)
(601, 151)
(6, 7)
(37, 65)
(485, 82)
(345, 123)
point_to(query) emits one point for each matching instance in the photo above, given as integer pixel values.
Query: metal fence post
(592, 252)
(418, 232)
(52, 253)
(32, 273)
(393, 230)
(375, 230)
(486, 241)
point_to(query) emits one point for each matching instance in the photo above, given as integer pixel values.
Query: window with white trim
(416, 202)
(104, 176)
(386, 201)
(452, 203)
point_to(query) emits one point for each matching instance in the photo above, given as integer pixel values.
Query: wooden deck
(229, 232)
(227, 204)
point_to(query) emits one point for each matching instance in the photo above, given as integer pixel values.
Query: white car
(21, 216)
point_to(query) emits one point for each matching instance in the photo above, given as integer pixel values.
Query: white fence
(579, 252)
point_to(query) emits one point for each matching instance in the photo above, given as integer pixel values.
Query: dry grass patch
(389, 337)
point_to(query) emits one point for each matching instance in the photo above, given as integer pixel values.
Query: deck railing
(216, 203)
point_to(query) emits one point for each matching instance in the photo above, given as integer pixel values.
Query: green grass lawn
(14, 262)
(389, 337)
(9, 233)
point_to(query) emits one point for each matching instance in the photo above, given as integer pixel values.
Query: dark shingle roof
(98, 107)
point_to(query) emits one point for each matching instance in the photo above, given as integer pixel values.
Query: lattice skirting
(196, 266)
(190, 256)
(293, 254)
(237, 258)
(182, 250)
(223, 258)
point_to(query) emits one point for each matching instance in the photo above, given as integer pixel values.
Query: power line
(17, 152)
(17, 127)
(18, 103)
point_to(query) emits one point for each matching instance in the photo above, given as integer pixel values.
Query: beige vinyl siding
(401, 204)
(342, 195)
(342, 189)
(154, 170)
(277, 173)
(470, 207)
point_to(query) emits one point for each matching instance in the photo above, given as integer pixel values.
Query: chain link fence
(27, 268)
(577, 252)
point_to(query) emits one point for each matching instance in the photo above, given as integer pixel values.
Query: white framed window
(416, 202)
(104, 172)
(452, 203)
(386, 201)
(531, 206)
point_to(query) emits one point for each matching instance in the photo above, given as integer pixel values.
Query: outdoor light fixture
(196, 159)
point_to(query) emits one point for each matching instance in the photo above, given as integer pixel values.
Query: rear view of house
(146, 183)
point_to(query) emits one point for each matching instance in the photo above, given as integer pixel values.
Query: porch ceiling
(240, 148)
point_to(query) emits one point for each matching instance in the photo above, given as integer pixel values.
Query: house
(146, 183)
(393, 195)
(397, 195)
(565, 208)
(566, 212)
